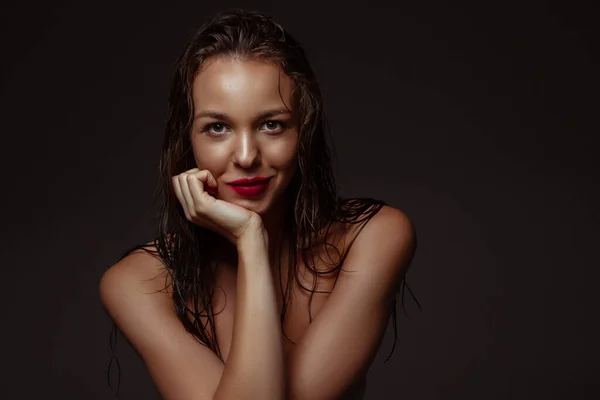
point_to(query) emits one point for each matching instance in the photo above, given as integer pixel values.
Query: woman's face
(243, 129)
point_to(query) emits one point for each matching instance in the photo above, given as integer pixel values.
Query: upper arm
(338, 347)
(180, 366)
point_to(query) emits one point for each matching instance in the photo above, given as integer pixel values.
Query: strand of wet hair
(114, 334)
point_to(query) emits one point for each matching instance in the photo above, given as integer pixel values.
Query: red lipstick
(250, 187)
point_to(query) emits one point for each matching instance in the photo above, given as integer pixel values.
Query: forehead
(241, 86)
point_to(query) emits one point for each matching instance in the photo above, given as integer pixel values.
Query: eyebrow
(220, 115)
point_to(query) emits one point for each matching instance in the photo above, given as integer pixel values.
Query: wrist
(254, 233)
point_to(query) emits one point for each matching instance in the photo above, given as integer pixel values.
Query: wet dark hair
(190, 253)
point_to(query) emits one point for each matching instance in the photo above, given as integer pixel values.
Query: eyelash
(209, 126)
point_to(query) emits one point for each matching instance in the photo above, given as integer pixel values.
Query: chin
(260, 206)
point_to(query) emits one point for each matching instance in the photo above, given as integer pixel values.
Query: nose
(247, 154)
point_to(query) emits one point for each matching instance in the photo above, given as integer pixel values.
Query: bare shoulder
(391, 220)
(382, 225)
(131, 291)
(136, 294)
(132, 280)
(140, 263)
(382, 246)
(378, 249)
(136, 267)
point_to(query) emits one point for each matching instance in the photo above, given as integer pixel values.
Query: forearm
(255, 365)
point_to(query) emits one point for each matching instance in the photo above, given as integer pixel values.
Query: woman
(258, 285)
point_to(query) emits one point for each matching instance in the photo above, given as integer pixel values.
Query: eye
(273, 126)
(217, 128)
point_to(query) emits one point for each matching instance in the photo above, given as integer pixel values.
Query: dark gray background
(479, 120)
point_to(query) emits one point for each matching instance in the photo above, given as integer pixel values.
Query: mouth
(250, 187)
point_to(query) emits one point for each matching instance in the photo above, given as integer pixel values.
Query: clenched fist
(193, 188)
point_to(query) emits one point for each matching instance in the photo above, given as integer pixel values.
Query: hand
(227, 219)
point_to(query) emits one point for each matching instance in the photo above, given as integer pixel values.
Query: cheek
(283, 156)
(207, 156)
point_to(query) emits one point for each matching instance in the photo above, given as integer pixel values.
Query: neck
(274, 223)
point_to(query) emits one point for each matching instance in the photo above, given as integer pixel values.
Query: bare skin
(332, 353)
(243, 142)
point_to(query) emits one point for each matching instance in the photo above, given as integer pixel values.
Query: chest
(297, 303)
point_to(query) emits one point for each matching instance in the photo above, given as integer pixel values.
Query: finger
(201, 176)
(185, 190)
(179, 194)
(212, 182)
(201, 199)
(196, 188)
(206, 177)
(209, 183)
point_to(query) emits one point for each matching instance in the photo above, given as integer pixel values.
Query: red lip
(250, 187)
